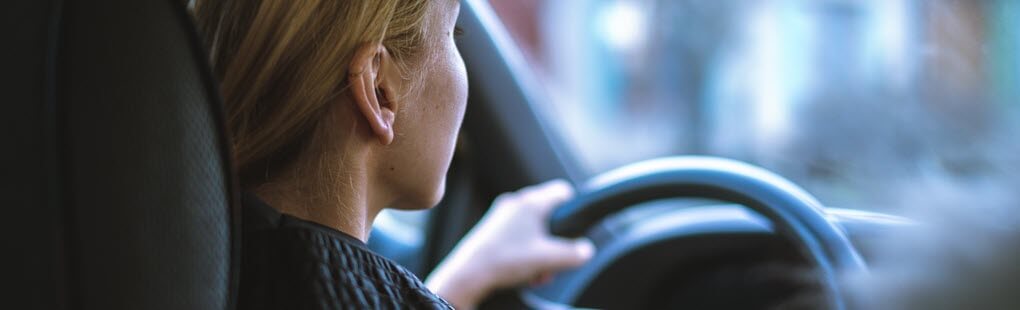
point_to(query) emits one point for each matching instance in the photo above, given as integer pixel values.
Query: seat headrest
(124, 189)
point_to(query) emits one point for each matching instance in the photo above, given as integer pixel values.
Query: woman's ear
(372, 79)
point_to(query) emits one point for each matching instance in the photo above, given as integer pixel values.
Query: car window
(867, 104)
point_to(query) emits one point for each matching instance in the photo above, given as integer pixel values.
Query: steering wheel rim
(794, 213)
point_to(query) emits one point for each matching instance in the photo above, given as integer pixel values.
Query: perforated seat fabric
(116, 159)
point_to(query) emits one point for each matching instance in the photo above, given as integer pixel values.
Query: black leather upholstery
(119, 187)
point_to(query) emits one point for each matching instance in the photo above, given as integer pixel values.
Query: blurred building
(855, 100)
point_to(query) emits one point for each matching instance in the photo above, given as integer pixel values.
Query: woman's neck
(340, 200)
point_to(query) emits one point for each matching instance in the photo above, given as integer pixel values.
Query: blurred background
(870, 104)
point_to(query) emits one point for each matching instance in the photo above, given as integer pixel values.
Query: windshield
(867, 104)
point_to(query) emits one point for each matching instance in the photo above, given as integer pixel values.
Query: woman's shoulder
(291, 263)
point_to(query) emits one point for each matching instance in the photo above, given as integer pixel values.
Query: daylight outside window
(868, 104)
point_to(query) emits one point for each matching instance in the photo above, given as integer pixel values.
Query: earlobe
(387, 114)
(370, 90)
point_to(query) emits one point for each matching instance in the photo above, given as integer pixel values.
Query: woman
(339, 109)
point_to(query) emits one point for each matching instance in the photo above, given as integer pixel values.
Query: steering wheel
(794, 213)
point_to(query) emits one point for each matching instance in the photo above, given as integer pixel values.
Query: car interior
(121, 195)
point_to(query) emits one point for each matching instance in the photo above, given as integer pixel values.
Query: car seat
(118, 190)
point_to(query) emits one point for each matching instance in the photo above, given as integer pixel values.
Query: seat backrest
(118, 189)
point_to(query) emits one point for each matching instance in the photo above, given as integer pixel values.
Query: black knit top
(290, 263)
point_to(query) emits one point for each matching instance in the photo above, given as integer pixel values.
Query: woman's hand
(510, 246)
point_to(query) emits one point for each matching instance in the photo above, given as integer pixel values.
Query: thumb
(566, 253)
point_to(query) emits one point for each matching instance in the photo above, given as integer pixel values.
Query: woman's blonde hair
(282, 62)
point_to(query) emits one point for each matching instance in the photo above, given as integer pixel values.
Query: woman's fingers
(542, 279)
(566, 253)
(553, 253)
(512, 245)
(545, 197)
